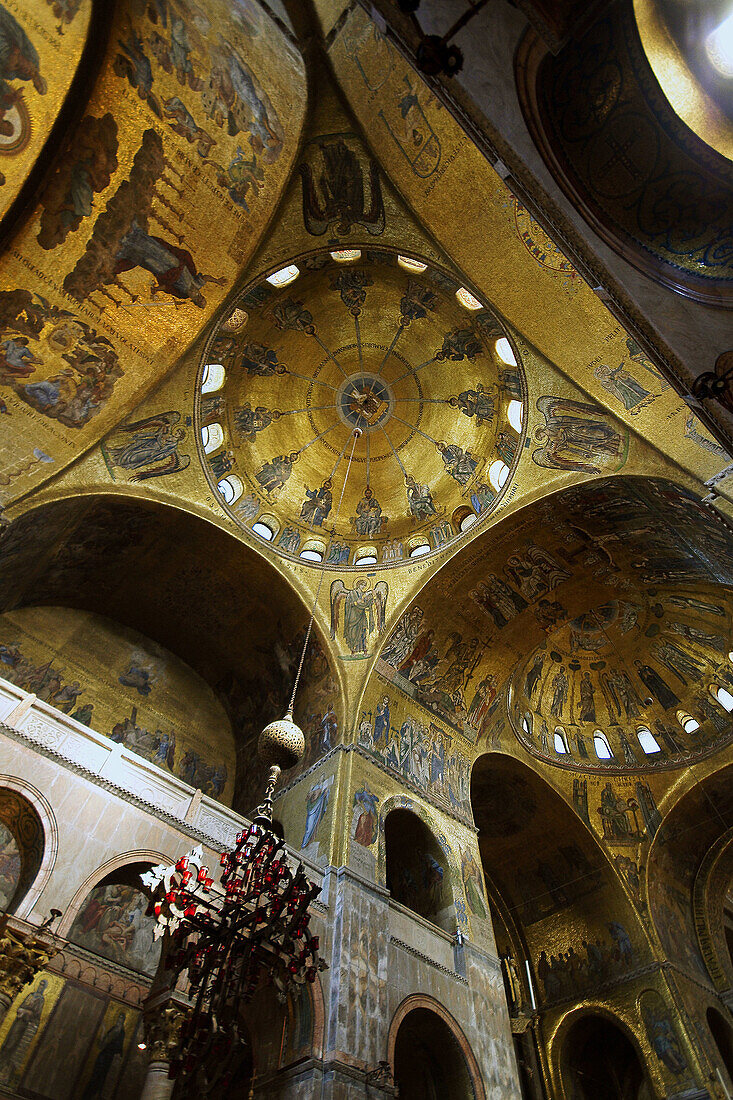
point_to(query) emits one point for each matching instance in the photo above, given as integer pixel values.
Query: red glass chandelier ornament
(231, 938)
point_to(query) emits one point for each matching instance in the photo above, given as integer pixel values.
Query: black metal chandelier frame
(230, 940)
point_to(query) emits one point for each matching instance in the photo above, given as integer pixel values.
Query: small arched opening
(723, 696)
(212, 436)
(561, 741)
(429, 1063)
(231, 488)
(22, 844)
(266, 527)
(365, 555)
(313, 550)
(602, 748)
(498, 474)
(721, 1033)
(689, 724)
(600, 1062)
(463, 518)
(647, 740)
(418, 547)
(212, 378)
(417, 871)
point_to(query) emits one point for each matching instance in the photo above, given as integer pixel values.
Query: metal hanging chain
(357, 433)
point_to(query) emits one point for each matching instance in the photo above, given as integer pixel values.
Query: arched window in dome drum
(688, 723)
(527, 723)
(561, 745)
(264, 530)
(420, 549)
(601, 746)
(213, 378)
(231, 488)
(515, 414)
(467, 300)
(647, 740)
(722, 696)
(284, 276)
(313, 550)
(463, 518)
(212, 436)
(415, 266)
(504, 351)
(498, 473)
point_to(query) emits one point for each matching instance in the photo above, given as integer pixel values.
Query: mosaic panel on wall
(191, 118)
(41, 49)
(124, 686)
(113, 922)
(433, 759)
(62, 1041)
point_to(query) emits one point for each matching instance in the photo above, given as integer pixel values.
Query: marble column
(162, 1023)
(158, 1085)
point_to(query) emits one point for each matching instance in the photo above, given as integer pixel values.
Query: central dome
(390, 345)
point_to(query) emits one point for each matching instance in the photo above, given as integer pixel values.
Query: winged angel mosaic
(364, 609)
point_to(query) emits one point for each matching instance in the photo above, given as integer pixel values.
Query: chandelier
(252, 929)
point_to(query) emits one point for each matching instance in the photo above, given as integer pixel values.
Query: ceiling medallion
(364, 401)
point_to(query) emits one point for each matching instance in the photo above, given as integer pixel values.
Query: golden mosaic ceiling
(368, 341)
(650, 662)
(597, 615)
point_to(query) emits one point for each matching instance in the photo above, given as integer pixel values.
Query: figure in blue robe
(316, 806)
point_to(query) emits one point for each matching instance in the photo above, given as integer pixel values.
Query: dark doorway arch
(429, 1063)
(721, 1033)
(600, 1062)
(418, 875)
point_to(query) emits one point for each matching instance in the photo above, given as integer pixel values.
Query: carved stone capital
(163, 1024)
(522, 1023)
(21, 957)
